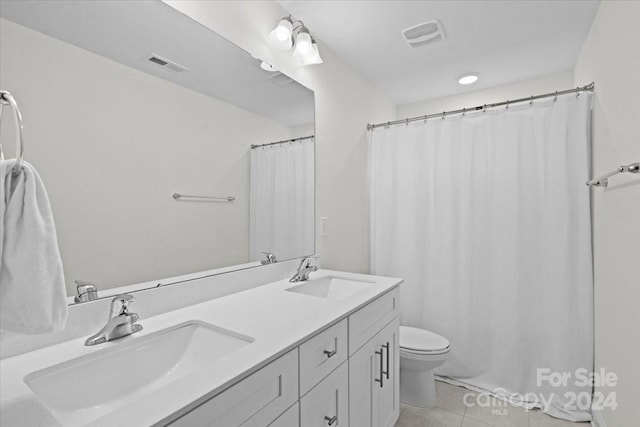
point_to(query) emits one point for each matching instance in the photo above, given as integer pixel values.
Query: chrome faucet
(271, 258)
(87, 291)
(121, 322)
(304, 269)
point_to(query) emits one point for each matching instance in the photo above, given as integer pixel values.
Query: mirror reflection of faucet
(87, 291)
(271, 258)
(304, 269)
(121, 322)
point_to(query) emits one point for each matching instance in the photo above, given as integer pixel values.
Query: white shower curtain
(282, 200)
(487, 219)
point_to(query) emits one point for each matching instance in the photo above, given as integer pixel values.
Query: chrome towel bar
(603, 180)
(187, 198)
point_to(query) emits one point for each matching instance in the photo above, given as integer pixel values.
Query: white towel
(32, 290)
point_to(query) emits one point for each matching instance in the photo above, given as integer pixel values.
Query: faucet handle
(125, 300)
(305, 261)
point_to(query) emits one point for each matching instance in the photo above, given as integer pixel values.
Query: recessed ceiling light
(467, 79)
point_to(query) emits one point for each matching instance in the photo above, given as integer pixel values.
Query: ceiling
(502, 41)
(128, 32)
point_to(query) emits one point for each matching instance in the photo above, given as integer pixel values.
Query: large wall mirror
(126, 103)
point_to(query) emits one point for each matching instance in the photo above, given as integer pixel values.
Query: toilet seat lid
(421, 340)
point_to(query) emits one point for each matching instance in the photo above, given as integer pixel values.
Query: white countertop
(277, 320)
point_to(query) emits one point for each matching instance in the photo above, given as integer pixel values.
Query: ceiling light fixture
(314, 56)
(281, 36)
(468, 79)
(303, 43)
(293, 34)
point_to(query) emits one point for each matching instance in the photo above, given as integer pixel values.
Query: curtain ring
(425, 119)
(443, 113)
(484, 108)
(578, 92)
(464, 111)
(555, 98)
(507, 104)
(407, 122)
(531, 100)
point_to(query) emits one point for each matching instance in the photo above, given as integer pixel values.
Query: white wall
(521, 89)
(345, 103)
(112, 144)
(611, 57)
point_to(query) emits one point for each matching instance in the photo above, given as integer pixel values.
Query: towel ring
(7, 99)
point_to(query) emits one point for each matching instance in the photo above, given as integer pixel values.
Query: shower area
(281, 193)
(485, 214)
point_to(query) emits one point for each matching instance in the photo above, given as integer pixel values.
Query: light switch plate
(324, 226)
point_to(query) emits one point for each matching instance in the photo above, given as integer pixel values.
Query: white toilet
(421, 351)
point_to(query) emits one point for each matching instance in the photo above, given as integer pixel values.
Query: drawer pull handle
(386, 373)
(331, 420)
(381, 380)
(330, 353)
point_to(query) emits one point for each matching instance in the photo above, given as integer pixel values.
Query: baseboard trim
(597, 419)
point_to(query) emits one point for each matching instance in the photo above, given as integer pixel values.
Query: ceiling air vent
(167, 63)
(422, 34)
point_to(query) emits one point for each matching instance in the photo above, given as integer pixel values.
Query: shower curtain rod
(586, 88)
(284, 141)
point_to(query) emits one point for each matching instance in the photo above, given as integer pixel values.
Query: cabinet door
(327, 404)
(364, 370)
(365, 323)
(291, 418)
(320, 355)
(388, 401)
(255, 401)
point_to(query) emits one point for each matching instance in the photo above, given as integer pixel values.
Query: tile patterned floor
(451, 411)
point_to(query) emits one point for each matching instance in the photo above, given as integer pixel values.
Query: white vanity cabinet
(345, 375)
(375, 369)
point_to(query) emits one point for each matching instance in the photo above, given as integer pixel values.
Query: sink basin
(330, 287)
(81, 390)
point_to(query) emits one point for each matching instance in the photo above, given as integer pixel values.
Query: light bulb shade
(312, 57)
(283, 29)
(281, 36)
(303, 44)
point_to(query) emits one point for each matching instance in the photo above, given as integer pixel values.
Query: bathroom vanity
(323, 352)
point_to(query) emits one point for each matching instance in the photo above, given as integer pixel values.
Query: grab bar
(603, 180)
(186, 198)
(7, 99)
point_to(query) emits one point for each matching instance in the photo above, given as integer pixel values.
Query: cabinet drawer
(365, 323)
(255, 401)
(327, 402)
(291, 418)
(322, 354)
